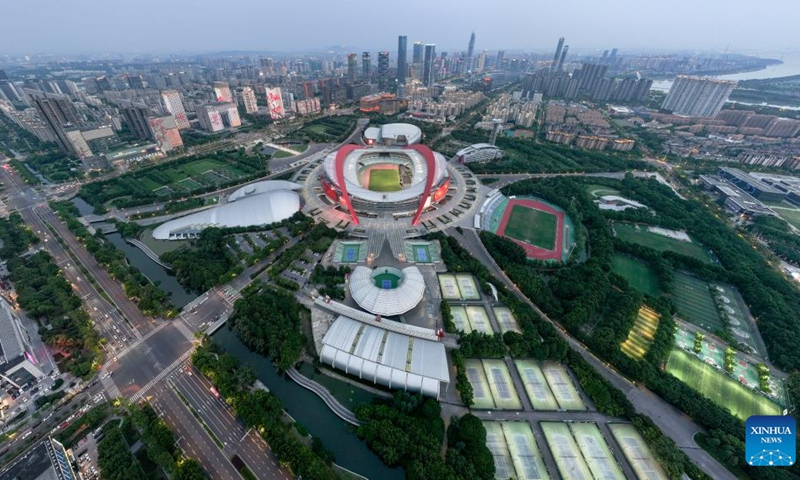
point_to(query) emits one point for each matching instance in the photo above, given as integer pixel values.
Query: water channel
(304, 406)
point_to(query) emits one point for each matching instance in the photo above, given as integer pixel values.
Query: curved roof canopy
(269, 207)
(262, 187)
(387, 302)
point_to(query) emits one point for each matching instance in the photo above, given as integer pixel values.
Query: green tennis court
(386, 280)
(718, 387)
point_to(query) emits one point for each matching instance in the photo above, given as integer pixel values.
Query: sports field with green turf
(718, 387)
(640, 275)
(384, 180)
(532, 226)
(694, 302)
(642, 236)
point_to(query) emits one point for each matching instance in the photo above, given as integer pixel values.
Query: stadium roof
(263, 209)
(263, 187)
(387, 358)
(387, 302)
(394, 133)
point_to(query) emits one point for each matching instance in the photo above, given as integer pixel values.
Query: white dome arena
(404, 290)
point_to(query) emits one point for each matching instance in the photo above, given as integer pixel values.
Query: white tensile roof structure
(262, 187)
(394, 134)
(387, 302)
(386, 358)
(262, 209)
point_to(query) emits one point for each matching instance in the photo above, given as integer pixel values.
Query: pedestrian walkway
(325, 395)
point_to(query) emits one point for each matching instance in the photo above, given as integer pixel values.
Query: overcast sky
(182, 26)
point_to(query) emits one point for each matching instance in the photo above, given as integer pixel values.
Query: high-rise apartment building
(696, 96)
(135, 116)
(218, 116)
(402, 65)
(275, 103)
(249, 100)
(352, 67)
(174, 105)
(498, 63)
(222, 92)
(165, 132)
(562, 58)
(480, 64)
(383, 70)
(557, 56)
(366, 67)
(428, 73)
(59, 114)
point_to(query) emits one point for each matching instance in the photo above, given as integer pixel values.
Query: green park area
(791, 215)
(639, 274)
(640, 235)
(532, 226)
(600, 190)
(695, 303)
(175, 179)
(328, 129)
(384, 180)
(719, 387)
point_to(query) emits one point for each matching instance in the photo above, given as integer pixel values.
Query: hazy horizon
(202, 26)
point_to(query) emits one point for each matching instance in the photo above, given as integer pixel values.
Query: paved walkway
(325, 395)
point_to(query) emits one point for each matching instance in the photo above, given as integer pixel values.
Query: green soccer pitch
(384, 180)
(532, 226)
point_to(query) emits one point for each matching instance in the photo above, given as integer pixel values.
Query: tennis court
(641, 335)
(479, 319)
(561, 385)
(496, 443)
(422, 254)
(481, 396)
(505, 319)
(636, 451)
(525, 454)
(565, 452)
(502, 386)
(449, 287)
(595, 451)
(719, 387)
(386, 280)
(467, 287)
(348, 252)
(536, 386)
(460, 318)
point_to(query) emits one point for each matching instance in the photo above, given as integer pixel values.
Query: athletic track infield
(531, 250)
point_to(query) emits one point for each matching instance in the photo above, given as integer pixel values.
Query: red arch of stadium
(427, 154)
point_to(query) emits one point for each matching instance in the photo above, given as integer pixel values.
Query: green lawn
(600, 190)
(201, 165)
(694, 302)
(384, 180)
(790, 215)
(281, 154)
(532, 226)
(718, 387)
(639, 274)
(642, 236)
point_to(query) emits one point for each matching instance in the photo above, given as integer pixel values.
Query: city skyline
(150, 27)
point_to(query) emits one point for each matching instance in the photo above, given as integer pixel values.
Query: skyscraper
(557, 56)
(563, 58)
(418, 51)
(352, 67)
(222, 92)
(383, 70)
(481, 62)
(498, 63)
(135, 116)
(366, 67)
(428, 74)
(696, 96)
(165, 132)
(249, 99)
(470, 52)
(174, 105)
(59, 114)
(402, 49)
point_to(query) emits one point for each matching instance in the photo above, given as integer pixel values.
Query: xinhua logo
(770, 441)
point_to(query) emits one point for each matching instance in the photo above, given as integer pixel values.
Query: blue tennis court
(386, 284)
(422, 254)
(350, 253)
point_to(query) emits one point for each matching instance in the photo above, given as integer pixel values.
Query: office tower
(352, 67)
(218, 116)
(135, 116)
(222, 92)
(275, 103)
(563, 58)
(498, 63)
(557, 56)
(470, 52)
(402, 67)
(383, 70)
(428, 74)
(59, 114)
(165, 132)
(366, 66)
(249, 100)
(696, 96)
(174, 105)
(417, 53)
(481, 63)
(613, 57)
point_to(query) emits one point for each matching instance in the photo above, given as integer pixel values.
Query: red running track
(533, 251)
